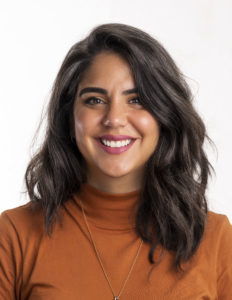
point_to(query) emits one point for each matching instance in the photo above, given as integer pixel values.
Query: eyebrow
(103, 91)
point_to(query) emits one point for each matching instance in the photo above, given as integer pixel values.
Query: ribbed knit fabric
(64, 267)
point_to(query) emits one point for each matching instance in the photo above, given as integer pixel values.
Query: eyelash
(88, 100)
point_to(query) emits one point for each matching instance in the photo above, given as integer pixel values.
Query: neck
(116, 185)
(109, 210)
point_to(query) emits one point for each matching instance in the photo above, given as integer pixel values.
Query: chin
(115, 173)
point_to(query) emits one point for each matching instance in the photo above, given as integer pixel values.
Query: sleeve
(9, 258)
(224, 266)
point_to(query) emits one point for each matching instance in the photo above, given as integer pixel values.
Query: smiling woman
(107, 120)
(117, 190)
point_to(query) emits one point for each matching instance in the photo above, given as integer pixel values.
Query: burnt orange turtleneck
(64, 267)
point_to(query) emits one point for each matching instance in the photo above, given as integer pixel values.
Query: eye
(93, 100)
(136, 101)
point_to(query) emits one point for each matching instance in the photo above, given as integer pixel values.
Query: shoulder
(218, 231)
(21, 231)
(20, 221)
(217, 238)
(218, 241)
(217, 224)
(217, 217)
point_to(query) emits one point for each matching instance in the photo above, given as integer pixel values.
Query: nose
(115, 116)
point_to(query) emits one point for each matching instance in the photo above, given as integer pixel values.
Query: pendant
(116, 298)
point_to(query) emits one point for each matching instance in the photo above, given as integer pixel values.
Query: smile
(115, 144)
(115, 147)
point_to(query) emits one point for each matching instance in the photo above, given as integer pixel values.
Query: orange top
(36, 267)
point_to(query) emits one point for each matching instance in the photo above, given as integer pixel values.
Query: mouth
(115, 146)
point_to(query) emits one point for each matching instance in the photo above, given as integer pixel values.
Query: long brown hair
(172, 201)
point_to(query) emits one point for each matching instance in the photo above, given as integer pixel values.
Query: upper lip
(111, 137)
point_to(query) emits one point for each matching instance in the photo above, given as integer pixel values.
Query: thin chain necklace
(99, 259)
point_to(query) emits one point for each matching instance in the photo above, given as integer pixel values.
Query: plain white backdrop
(36, 35)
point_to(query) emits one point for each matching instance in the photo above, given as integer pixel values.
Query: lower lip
(115, 150)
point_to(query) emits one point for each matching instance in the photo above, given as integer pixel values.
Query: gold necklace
(99, 259)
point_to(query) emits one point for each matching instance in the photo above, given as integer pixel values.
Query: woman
(119, 184)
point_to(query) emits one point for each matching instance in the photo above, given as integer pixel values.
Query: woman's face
(112, 115)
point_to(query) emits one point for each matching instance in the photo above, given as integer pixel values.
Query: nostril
(107, 122)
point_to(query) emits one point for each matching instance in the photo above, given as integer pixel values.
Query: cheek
(85, 123)
(80, 126)
(147, 125)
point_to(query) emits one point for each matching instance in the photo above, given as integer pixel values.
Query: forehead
(108, 68)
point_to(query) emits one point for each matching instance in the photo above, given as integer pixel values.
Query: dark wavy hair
(172, 206)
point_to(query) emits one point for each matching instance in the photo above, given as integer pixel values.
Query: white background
(36, 35)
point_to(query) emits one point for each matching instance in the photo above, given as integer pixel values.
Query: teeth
(115, 144)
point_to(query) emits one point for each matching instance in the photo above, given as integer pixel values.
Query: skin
(116, 114)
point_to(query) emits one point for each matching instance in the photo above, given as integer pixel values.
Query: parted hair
(172, 209)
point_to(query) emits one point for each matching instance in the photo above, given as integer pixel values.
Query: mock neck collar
(106, 210)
